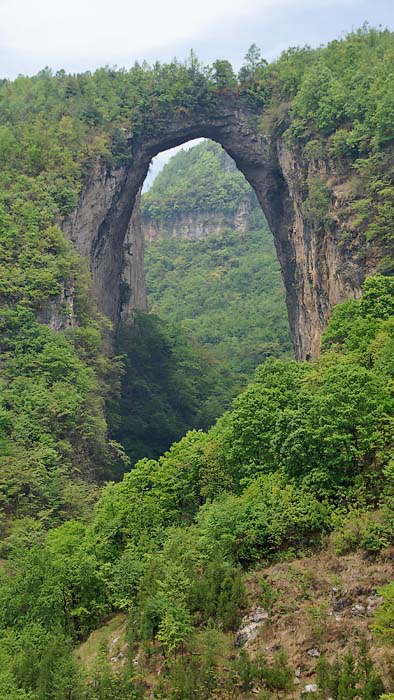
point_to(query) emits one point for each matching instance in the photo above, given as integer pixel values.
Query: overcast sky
(80, 35)
(83, 34)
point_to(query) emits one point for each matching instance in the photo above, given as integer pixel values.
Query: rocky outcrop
(250, 626)
(59, 313)
(319, 266)
(133, 290)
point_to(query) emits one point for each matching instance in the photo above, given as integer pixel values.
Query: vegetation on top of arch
(335, 102)
(328, 84)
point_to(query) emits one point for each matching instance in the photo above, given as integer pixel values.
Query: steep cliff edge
(324, 262)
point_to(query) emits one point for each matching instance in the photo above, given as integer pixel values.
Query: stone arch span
(105, 225)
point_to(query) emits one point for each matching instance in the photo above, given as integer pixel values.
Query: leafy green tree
(253, 77)
(253, 62)
(223, 75)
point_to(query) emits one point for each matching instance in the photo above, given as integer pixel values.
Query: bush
(317, 204)
(270, 516)
(276, 676)
(383, 624)
(267, 594)
(367, 530)
(352, 677)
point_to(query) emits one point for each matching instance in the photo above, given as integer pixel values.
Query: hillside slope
(299, 619)
(216, 311)
(224, 289)
(229, 523)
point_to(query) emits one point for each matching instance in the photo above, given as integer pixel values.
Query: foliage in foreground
(304, 445)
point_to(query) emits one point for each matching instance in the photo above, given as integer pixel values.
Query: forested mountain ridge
(300, 463)
(199, 192)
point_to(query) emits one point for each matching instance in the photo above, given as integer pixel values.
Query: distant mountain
(198, 193)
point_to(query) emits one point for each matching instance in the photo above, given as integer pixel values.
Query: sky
(80, 35)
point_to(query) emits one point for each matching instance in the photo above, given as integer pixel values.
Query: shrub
(267, 594)
(367, 530)
(271, 514)
(383, 624)
(350, 678)
(317, 204)
(277, 675)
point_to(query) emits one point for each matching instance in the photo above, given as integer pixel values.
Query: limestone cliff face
(323, 267)
(320, 266)
(101, 228)
(198, 225)
(133, 290)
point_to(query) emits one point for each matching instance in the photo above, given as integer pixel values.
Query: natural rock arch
(318, 271)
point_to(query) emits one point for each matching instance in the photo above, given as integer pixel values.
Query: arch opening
(214, 293)
(105, 225)
(133, 265)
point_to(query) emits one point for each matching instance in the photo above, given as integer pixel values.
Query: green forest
(219, 290)
(178, 548)
(197, 180)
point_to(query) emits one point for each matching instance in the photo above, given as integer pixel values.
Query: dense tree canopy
(305, 448)
(226, 292)
(198, 180)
